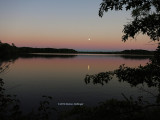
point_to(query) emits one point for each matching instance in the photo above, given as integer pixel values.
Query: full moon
(89, 39)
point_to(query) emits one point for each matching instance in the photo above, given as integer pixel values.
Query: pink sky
(58, 24)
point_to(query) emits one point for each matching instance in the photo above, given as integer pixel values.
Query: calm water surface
(63, 79)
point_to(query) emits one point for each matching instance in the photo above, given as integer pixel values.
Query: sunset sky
(65, 24)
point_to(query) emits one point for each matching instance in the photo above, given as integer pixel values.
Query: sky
(73, 24)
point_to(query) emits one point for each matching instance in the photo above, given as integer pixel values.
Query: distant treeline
(45, 50)
(131, 52)
(141, 52)
(7, 50)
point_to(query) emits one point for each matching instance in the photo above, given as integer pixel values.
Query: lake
(62, 77)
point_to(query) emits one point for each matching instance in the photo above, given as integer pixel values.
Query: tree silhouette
(145, 14)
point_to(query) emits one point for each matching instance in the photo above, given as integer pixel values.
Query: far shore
(93, 53)
(7, 50)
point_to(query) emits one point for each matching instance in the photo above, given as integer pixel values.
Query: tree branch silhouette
(145, 16)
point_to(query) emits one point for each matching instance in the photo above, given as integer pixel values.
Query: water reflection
(129, 108)
(148, 74)
(62, 78)
(88, 67)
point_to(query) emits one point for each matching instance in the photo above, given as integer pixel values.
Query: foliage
(8, 51)
(10, 105)
(138, 52)
(99, 78)
(10, 108)
(145, 14)
(156, 59)
(45, 50)
(149, 74)
(128, 109)
(110, 109)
